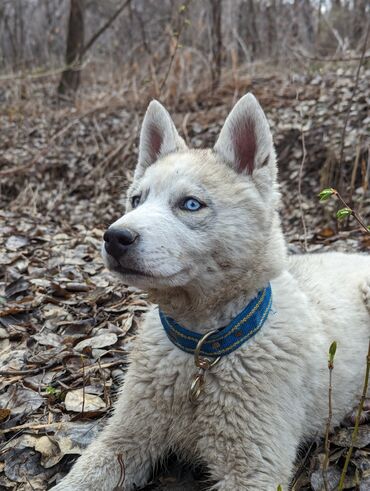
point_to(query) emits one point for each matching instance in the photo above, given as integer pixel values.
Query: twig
(89, 368)
(357, 422)
(302, 465)
(354, 213)
(83, 386)
(55, 426)
(29, 482)
(184, 8)
(184, 127)
(354, 91)
(103, 28)
(354, 171)
(328, 60)
(332, 350)
(346, 211)
(300, 177)
(29, 371)
(106, 392)
(31, 426)
(35, 74)
(122, 476)
(105, 365)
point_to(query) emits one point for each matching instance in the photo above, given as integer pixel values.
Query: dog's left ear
(245, 141)
(158, 137)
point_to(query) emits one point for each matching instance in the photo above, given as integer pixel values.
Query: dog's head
(205, 216)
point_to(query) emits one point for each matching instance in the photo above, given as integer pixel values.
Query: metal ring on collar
(204, 363)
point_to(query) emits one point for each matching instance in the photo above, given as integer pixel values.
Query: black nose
(117, 240)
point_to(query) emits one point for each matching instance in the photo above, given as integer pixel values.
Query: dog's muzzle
(118, 240)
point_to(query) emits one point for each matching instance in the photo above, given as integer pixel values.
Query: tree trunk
(359, 20)
(307, 14)
(71, 76)
(216, 36)
(252, 31)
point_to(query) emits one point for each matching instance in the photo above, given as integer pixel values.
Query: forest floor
(66, 325)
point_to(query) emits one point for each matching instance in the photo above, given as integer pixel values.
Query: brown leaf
(326, 232)
(343, 437)
(4, 414)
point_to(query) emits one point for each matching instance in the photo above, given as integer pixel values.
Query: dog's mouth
(137, 273)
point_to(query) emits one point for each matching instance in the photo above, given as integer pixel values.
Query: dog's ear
(245, 141)
(158, 137)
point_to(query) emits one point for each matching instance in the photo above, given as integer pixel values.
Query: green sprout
(52, 391)
(343, 213)
(326, 194)
(332, 351)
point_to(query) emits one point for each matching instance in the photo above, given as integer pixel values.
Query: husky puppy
(203, 236)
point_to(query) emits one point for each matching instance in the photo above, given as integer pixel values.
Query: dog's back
(335, 275)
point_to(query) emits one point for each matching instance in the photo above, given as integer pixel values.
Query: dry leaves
(65, 324)
(65, 330)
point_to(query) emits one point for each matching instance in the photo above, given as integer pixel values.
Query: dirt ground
(66, 325)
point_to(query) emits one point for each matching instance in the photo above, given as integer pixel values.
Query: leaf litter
(66, 325)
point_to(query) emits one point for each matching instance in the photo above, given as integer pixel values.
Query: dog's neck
(203, 316)
(201, 311)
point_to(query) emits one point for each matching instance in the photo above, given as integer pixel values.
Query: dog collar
(227, 339)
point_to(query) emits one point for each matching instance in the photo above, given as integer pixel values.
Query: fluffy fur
(202, 268)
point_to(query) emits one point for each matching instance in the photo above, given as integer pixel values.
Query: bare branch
(340, 177)
(104, 27)
(357, 422)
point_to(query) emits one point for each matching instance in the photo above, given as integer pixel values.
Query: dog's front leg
(123, 455)
(239, 463)
(243, 474)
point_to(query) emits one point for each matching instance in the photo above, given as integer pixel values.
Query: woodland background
(75, 79)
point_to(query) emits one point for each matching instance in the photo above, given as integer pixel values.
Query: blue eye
(191, 204)
(135, 200)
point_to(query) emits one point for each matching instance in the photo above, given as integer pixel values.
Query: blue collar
(229, 338)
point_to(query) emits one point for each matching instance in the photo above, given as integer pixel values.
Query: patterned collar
(227, 339)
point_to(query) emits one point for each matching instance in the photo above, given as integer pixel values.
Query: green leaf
(332, 351)
(279, 488)
(51, 391)
(326, 193)
(343, 213)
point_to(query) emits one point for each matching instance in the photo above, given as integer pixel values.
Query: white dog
(202, 235)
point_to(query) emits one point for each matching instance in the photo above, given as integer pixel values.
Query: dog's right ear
(158, 137)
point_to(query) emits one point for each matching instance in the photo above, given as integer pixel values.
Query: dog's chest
(239, 394)
(228, 389)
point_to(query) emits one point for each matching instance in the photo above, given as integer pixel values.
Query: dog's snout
(117, 240)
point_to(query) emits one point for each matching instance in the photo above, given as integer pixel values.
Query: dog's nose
(117, 240)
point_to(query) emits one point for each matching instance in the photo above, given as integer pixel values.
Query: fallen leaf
(4, 414)
(21, 401)
(16, 242)
(101, 341)
(343, 437)
(77, 401)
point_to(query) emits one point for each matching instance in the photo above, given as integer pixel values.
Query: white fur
(202, 268)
